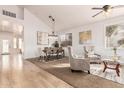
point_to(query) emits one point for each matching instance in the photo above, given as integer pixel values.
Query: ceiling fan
(106, 9)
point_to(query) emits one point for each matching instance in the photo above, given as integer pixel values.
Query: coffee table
(111, 64)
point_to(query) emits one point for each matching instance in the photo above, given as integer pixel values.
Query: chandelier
(53, 27)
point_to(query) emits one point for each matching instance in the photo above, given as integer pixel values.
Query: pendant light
(53, 27)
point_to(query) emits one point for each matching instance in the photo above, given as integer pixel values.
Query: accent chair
(78, 64)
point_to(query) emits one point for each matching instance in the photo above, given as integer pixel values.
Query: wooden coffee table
(110, 64)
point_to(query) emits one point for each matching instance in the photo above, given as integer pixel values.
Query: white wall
(19, 11)
(31, 26)
(98, 39)
(15, 9)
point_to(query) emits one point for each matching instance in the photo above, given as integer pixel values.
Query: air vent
(7, 13)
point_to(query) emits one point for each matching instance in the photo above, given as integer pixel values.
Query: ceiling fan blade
(97, 8)
(97, 13)
(118, 6)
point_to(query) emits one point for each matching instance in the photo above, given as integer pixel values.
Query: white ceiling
(69, 16)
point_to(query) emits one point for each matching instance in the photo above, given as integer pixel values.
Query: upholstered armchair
(78, 64)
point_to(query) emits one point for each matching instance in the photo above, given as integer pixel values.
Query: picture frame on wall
(85, 37)
(114, 35)
(42, 38)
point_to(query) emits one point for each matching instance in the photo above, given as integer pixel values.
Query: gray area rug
(61, 69)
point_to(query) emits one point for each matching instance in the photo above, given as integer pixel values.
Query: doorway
(11, 37)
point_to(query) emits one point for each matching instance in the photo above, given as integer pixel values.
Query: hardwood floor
(15, 72)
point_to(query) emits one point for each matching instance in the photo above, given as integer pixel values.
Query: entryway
(11, 38)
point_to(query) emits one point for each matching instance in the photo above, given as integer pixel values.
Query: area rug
(61, 69)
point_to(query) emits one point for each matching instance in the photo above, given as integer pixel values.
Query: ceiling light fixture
(53, 27)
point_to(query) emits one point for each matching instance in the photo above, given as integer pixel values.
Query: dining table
(53, 53)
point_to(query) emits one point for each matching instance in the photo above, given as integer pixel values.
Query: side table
(115, 66)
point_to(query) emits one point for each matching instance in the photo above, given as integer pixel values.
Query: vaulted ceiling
(70, 16)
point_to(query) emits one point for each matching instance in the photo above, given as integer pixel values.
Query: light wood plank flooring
(15, 72)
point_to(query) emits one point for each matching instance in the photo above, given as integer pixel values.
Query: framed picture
(85, 37)
(66, 39)
(42, 38)
(114, 35)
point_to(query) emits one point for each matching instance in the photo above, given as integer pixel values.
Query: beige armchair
(78, 64)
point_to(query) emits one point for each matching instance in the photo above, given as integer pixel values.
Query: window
(15, 42)
(5, 48)
(20, 43)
